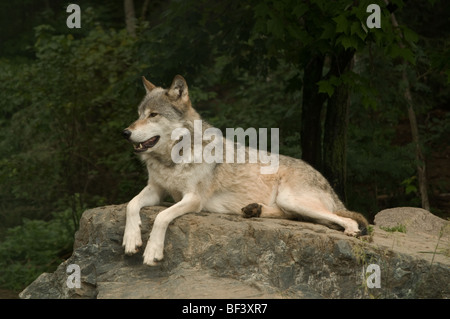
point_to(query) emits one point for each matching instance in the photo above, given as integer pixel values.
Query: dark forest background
(369, 108)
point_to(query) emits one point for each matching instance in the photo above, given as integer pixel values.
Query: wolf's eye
(153, 114)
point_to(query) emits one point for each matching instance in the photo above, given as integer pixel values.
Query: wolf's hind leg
(264, 211)
(311, 207)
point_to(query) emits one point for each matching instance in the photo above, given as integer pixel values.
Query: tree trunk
(336, 123)
(312, 105)
(420, 159)
(144, 9)
(130, 17)
(335, 141)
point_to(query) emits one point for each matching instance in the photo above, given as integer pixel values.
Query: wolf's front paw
(251, 210)
(132, 240)
(153, 253)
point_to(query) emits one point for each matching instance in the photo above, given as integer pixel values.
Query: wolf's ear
(148, 85)
(179, 89)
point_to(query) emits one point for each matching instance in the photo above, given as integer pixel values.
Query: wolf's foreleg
(190, 203)
(149, 196)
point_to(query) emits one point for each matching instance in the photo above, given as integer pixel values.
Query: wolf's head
(160, 112)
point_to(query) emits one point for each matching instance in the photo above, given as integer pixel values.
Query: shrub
(34, 247)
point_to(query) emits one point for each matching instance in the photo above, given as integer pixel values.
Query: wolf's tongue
(143, 146)
(151, 142)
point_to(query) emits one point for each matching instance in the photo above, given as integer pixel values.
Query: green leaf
(328, 86)
(410, 35)
(395, 51)
(347, 41)
(300, 10)
(261, 10)
(325, 87)
(357, 28)
(342, 24)
(329, 31)
(410, 189)
(275, 28)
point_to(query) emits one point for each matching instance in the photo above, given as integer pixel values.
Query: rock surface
(210, 255)
(415, 220)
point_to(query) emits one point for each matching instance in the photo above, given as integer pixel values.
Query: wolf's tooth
(140, 145)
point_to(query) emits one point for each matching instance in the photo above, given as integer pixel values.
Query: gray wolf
(294, 190)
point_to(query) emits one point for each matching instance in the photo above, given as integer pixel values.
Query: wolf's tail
(360, 219)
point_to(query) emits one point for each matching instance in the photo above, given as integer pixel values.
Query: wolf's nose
(126, 134)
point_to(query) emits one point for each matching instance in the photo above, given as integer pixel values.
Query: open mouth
(143, 146)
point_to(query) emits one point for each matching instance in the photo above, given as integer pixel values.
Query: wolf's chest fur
(179, 179)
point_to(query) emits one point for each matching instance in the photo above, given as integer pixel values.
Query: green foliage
(410, 186)
(260, 103)
(399, 228)
(35, 247)
(68, 94)
(62, 118)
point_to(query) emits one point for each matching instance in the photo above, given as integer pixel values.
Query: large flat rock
(211, 255)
